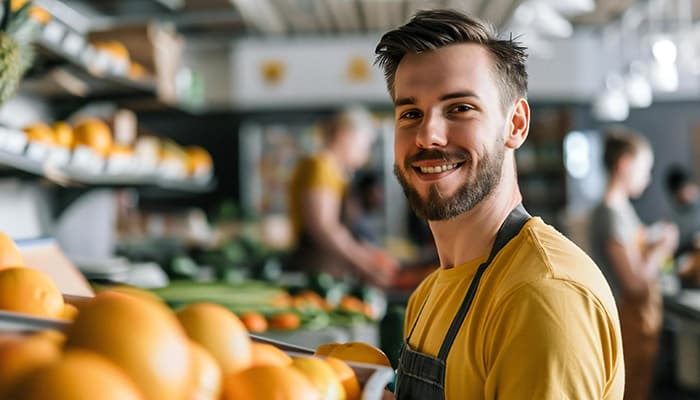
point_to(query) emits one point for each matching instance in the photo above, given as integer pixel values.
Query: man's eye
(409, 115)
(460, 108)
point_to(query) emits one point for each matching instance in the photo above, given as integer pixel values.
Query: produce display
(127, 343)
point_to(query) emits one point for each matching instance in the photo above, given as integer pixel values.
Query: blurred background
(153, 141)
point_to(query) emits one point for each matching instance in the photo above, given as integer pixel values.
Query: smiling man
(516, 310)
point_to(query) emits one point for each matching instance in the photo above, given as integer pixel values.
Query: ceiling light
(664, 51)
(611, 104)
(637, 87)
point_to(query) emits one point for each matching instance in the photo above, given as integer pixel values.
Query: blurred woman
(631, 255)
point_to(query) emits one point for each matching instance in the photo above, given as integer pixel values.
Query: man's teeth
(437, 169)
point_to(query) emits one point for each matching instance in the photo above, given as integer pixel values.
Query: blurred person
(515, 310)
(364, 208)
(685, 193)
(631, 255)
(317, 188)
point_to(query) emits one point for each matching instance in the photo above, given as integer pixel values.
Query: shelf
(64, 168)
(68, 68)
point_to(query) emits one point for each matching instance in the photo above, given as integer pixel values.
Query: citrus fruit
(220, 332)
(141, 337)
(63, 134)
(269, 382)
(254, 321)
(29, 291)
(347, 377)
(68, 313)
(354, 351)
(39, 132)
(94, 133)
(22, 355)
(267, 354)
(79, 375)
(285, 321)
(207, 374)
(322, 376)
(9, 253)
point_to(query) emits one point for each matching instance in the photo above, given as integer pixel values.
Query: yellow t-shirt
(314, 172)
(543, 324)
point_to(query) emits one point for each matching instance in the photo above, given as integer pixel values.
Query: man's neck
(472, 234)
(615, 194)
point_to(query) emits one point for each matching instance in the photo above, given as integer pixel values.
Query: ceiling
(231, 18)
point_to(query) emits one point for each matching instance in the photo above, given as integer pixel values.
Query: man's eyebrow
(405, 101)
(454, 95)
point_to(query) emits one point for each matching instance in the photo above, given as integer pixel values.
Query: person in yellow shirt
(316, 191)
(515, 310)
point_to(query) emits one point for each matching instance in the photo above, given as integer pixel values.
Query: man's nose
(432, 131)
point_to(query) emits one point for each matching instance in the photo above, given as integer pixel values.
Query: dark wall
(669, 127)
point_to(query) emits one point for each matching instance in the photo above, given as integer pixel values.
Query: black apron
(421, 376)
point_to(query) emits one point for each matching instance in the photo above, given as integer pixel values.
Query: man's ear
(519, 124)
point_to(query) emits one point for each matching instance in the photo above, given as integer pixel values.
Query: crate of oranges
(126, 343)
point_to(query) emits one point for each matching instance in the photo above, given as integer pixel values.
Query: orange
(269, 382)
(22, 355)
(120, 149)
(35, 12)
(347, 377)
(9, 253)
(285, 321)
(79, 375)
(141, 337)
(207, 374)
(197, 159)
(29, 291)
(113, 47)
(39, 132)
(322, 376)
(136, 71)
(94, 133)
(254, 321)
(63, 134)
(267, 354)
(354, 351)
(56, 337)
(139, 293)
(69, 312)
(220, 332)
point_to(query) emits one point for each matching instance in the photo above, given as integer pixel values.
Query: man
(685, 193)
(515, 311)
(316, 193)
(631, 256)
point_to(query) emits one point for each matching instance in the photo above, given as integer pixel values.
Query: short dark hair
(433, 29)
(677, 177)
(620, 142)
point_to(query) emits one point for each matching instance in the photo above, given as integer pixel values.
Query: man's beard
(437, 207)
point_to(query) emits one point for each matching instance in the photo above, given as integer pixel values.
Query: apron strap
(508, 230)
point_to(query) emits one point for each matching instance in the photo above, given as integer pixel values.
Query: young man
(631, 256)
(515, 311)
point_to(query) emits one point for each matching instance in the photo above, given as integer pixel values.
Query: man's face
(450, 130)
(640, 172)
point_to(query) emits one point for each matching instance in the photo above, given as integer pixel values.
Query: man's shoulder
(551, 256)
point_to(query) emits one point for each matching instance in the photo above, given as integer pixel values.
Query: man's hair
(620, 142)
(677, 177)
(433, 29)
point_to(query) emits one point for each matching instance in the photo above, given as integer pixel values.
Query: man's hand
(385, 268)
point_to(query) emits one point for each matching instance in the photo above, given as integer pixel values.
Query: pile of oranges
(128, 344)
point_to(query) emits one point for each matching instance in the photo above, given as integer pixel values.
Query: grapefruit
(354, 351)
(22, 355)
(141, 337)
(269, 382)
(79, 375)
(207, 374)
(267, 354)
(220, 332)
(347, 377)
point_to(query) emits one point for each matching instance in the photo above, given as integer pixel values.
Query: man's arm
(320, 211)
(638, 269)
(552, 339)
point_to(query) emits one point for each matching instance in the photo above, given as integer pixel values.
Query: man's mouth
(436, 169)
